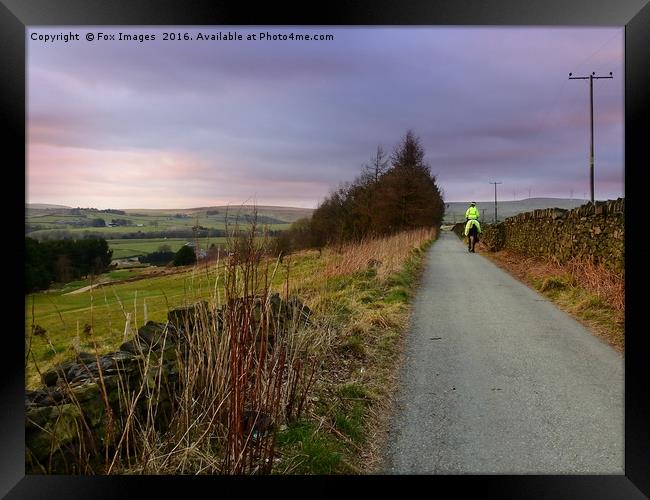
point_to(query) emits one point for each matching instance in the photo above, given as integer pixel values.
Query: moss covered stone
(73, 407)
(594, 232)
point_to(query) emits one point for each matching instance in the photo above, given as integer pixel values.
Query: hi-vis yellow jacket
(472, 213)
(470, 223)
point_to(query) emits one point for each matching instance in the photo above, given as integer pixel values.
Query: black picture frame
(634, 15)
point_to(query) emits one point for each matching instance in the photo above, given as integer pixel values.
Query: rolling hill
(44, 206)
(455, 211)
(44, 221)
(281, 214)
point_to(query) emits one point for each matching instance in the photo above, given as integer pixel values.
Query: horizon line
(248, 205)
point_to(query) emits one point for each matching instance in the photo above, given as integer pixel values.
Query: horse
(472, 238)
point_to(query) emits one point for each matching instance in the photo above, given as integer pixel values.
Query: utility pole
(591, 79)
(528, 193)
(495, 199)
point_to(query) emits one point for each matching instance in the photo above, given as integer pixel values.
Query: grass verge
(368, 308)
(589, 293)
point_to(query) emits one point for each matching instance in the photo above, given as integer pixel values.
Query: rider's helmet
(473, 203)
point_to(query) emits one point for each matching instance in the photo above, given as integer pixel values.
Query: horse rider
(472, 216)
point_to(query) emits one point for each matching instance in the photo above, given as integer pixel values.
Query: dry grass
(235, 385)
(386, 254)
(364, 291)
(603, 283)
(358, 295)
(238, 386)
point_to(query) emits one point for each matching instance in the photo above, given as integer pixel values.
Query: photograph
(348, 248)
(245, 250)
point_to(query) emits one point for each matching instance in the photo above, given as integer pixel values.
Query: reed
(245, 362)
(386, 254)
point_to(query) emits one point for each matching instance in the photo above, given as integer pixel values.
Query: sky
(189, 123)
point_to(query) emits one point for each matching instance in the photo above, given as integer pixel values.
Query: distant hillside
(455, 211)
(284, 214)
(60, 223)
(29, 206)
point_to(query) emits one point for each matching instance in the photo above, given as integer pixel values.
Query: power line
(552, 106)
(584, 61)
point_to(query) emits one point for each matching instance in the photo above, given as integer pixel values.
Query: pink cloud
(68, 173)
(149, 179)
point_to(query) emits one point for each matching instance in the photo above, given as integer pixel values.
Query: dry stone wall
(595, 232)
(81, 401)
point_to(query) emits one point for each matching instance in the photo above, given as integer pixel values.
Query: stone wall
(595, 232)
(82, 400)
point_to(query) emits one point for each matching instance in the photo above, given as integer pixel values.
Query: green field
(115, 232)
(123, 249)
(64, 316)
(41, 221)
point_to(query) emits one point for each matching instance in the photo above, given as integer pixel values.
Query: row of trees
(63, 261)
(157, 258)
(104, 211)
(184, 256)
(392, 194)
(164, 256)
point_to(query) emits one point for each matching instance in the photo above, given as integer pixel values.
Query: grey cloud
(485, 102)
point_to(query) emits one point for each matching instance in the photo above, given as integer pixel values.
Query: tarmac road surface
(497, 380)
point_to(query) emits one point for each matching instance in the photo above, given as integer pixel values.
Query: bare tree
(377, 166)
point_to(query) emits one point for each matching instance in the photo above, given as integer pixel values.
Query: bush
(159, 258)
(63, 260)
(38, 275)
(185, 256)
